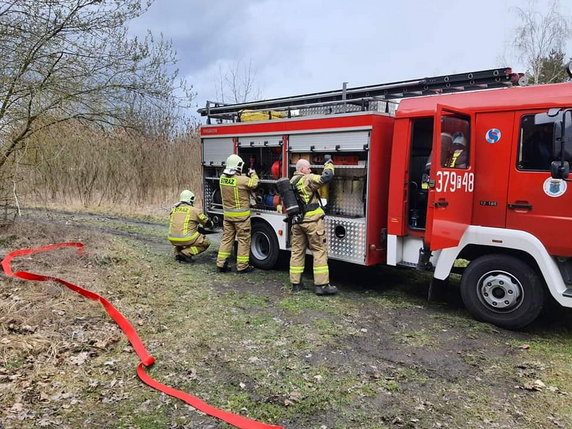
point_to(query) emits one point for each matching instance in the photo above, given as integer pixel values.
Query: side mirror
(567, 135)
(562, 138)
(559, 169)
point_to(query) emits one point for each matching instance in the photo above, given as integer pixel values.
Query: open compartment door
(452, 178)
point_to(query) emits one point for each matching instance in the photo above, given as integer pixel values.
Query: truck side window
(455, 142)
(535, 148)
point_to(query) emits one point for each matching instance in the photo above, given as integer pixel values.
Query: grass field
(378, 355)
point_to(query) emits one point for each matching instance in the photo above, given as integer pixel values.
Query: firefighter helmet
(187, 197)
(234, 164)
(459, 139)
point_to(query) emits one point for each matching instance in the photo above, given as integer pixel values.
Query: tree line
(73, 164)
(83, 104)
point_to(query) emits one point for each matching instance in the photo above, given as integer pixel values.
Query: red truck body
(406, 195)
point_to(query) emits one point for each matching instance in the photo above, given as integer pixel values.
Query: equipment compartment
(346, 193)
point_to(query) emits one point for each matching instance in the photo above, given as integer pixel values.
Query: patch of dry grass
(374, 358)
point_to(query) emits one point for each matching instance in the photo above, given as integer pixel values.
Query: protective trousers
(312, 235)
(241, 230)
(194, 247)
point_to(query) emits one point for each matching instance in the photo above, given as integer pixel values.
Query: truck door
(452, 178)
(537, 203)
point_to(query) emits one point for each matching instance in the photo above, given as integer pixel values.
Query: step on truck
(430, 172)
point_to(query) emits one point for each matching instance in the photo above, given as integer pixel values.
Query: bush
(73, 162)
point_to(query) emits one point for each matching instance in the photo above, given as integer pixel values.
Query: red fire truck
(469, 167)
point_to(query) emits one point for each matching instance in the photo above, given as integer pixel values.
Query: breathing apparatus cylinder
(288, 197)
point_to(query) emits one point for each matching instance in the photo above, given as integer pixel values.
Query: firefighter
(458, 156)
(421, 203)
(446, 142)
(235, 191)
(309, 230)
(184, 220)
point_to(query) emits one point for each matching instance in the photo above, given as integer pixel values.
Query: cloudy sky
(300, 46)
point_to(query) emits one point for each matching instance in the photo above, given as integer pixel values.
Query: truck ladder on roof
(362, 96)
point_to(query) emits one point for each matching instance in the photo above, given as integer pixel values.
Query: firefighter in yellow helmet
(310, 231)
(184, 220)
(235, 192)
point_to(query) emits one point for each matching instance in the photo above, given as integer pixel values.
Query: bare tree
(73, 60)
(541, 35)
(237, 83)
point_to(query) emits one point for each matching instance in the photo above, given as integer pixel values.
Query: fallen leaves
(16, 327)
(537, 385)
(80, 358)
(286, 399)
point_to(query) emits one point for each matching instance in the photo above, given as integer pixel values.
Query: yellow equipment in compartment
(259, 115)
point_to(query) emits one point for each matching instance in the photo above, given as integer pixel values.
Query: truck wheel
(264, 248)
(502, 290)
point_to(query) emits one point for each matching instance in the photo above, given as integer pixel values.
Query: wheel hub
(500, 290)
(260, 245)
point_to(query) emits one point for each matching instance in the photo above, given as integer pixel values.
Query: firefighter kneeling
(308, 228)
(184, 220)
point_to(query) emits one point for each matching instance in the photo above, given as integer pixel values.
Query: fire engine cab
(467, 167)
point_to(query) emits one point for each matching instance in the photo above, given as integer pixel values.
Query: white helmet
(234, 164)
(187, 197)
(459, 139)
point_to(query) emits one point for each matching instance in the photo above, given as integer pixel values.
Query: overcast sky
(300, 46)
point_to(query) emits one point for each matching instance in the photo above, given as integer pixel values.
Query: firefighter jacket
(183, 222)
(306, 186)
(235, 192)
(458, 157)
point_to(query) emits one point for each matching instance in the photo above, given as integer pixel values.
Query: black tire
(264, 247)
(502, 290)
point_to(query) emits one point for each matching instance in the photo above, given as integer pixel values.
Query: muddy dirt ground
(378, 355)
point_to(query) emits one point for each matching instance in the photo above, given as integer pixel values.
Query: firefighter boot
(225, 268)
(326, 290)
(297, 287)
(248, 269)
(181, 257)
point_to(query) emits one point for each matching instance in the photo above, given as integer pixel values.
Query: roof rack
(365, 98)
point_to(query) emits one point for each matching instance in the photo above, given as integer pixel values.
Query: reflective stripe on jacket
(307, 187)
(183, 222)
(235, 192)
(454, 157)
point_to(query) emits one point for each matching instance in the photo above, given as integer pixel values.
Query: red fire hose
(146, 359)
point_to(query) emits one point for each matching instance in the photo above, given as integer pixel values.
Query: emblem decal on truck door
(554, 187)
(493, 135)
